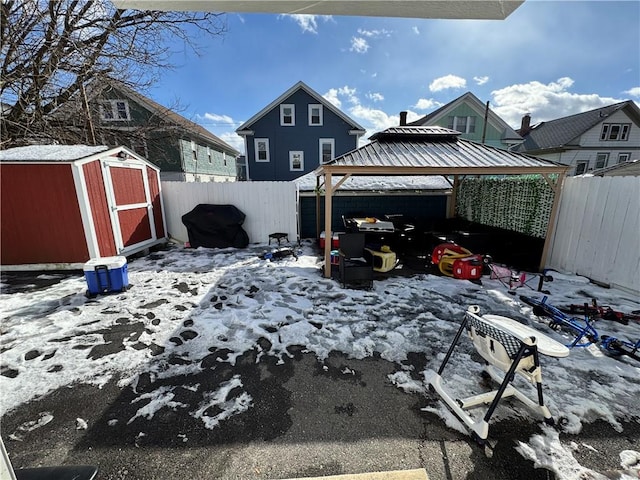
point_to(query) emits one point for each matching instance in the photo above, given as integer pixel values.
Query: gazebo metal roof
(410, 150)
(433, 151)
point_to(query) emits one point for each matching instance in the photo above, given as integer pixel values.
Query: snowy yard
(190, 310)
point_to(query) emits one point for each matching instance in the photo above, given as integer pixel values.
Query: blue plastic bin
(106, 275)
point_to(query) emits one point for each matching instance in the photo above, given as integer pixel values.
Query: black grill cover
(216, 226)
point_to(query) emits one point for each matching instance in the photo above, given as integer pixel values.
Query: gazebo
(408, 150)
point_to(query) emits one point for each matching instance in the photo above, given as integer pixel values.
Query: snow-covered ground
(190, 303)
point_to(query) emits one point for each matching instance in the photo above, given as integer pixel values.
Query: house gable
(293, 134)
(466, 114)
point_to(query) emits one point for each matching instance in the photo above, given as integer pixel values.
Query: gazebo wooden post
(551, 227)
(328, 194)
(318, 206)
(451, 211)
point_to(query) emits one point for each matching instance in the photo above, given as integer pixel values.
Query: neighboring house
(466, 114)
(118, 115)
(586, 141)
(294, 134)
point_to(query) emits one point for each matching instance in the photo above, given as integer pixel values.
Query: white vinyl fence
(598, 230)
(597, 233)
(269, 207)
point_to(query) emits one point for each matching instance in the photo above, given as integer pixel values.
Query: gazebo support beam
(451, 211)
(328, 235)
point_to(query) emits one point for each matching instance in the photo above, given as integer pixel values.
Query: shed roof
(411, 150)
(55, 153)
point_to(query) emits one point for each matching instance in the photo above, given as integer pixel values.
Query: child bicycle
(581, 329)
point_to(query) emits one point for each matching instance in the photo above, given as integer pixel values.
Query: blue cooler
(106, 274)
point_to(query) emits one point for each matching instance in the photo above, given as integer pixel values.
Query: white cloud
(544, 101)
(374, 33)
(232, 139)
(448, 81)
(214, 117)
(426, 104)
(308, 23)
(372, 119)
(379, 119)
(634, 92)
(416, 30)
(334, 93)
(359, 45)
(376, 97)
(481, 80)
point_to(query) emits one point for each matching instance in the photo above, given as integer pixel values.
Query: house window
(224, 158)
(139, 145)
(615, 131)
(315, 115)
(581, 167)
(601, 160)
(114, 110)
(462, 124)
(287, 115)
(296, 161)
(261, 146)
(194, 151)
(209, 154)
(327, 150)
(623, 157)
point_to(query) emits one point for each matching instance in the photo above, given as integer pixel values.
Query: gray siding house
(294, 134)
(587, 141)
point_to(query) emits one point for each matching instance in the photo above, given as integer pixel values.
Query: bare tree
(51, 49)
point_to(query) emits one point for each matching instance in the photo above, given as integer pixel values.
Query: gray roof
(58, 153)
(629, 168)
(567, 130)
(410, 150)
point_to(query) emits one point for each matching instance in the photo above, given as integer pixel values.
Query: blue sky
(548, 58)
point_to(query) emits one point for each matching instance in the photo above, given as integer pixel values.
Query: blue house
(294, 134)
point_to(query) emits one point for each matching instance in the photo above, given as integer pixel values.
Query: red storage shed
(61, 205)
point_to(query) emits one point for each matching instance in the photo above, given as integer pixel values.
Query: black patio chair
(356, 266)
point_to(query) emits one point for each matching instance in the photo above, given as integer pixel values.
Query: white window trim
(293, 115)
(113, 104)
(624, 157)
(322, 141)
(292, 153)
(586, 166)
(255, 148)
(311, 107)
(623, 132)
(603, 155)
(466, 125)
(194, 151)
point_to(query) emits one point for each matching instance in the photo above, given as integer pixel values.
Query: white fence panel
(598, 230)
(269, 206)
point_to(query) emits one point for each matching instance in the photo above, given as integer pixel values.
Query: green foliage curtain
(520, 204)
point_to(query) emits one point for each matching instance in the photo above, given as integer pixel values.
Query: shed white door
(130, 205)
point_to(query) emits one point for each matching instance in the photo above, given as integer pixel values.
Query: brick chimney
(403, 119)
(525, 124)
